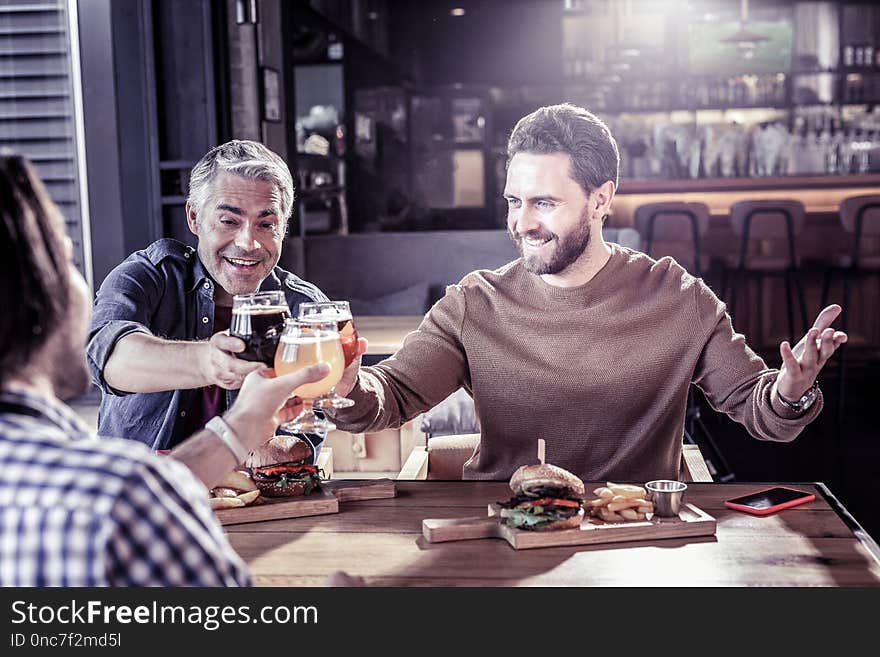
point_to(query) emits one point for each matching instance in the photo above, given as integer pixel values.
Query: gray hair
(572, 130)
(244, 158)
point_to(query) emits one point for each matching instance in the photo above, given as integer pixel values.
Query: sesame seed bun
(529, 477)
(279, 449)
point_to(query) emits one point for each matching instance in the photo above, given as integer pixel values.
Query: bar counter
(821, 195)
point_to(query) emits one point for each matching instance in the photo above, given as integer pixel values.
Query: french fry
(627, 490)
(604, 493)
(222, 491)
(249, 497)
(609, 516)
(225, 502)
(236, 489)
(621, 504)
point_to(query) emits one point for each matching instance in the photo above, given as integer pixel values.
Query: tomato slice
(273, 470)
(548, 501)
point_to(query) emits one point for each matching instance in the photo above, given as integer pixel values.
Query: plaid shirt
(76, 511)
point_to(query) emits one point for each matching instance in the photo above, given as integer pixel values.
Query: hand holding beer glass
(303, 344)
(258, 320)
(339, 312)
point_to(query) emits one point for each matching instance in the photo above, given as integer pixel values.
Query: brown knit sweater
(600, 371)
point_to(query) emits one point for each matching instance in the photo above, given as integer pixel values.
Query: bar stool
(859, 216)
(675, 229)
(767, 229)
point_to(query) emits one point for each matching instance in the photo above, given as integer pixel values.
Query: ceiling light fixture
(743, 38)
(458, 11)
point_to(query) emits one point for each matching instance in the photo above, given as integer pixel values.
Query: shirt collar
(271, 282)
(49, 409)
(199, 273)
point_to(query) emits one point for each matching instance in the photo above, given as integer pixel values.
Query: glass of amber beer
(339, 312)
(303, 344)
(258, 320)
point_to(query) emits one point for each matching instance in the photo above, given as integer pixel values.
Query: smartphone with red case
(769, 500)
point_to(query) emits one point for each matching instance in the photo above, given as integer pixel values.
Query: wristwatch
(804, 403)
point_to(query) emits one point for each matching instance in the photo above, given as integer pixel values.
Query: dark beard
(567, 251)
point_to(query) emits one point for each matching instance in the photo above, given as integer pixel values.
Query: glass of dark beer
(339, 312)
(258, 320)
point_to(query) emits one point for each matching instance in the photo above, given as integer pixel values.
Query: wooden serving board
(273, 508)
(692, 521)
(324, 500)
(354, 490)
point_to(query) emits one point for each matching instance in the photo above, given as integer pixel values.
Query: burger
(545, 498)
(280, 468)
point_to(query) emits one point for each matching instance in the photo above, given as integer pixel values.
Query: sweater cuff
(785, 413)
(355, 415)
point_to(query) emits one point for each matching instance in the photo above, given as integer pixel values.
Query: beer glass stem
(333, 400)
(308, 422)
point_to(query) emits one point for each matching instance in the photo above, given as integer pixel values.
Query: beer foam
(260, 310)
(310, 339)
(325, 318)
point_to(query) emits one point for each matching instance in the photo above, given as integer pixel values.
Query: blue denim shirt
(164, 290)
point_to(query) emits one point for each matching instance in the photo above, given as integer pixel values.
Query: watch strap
(219, 426)
(804, 402)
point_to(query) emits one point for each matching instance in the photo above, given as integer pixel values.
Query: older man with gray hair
(158, 346)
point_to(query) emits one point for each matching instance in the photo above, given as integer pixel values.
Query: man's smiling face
(240, 231)
(547, 212)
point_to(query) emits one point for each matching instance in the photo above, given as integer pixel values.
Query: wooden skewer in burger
(545, 497)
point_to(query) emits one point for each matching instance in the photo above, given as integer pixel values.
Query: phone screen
(767, 498)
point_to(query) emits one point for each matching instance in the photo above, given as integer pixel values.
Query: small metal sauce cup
(666, 496)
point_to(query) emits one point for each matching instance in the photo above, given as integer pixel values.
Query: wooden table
(385, 333)
(816, 544)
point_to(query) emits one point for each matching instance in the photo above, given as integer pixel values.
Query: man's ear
(191, 219)
(601, 198)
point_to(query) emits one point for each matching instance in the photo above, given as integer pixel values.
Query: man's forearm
(145, 363)
(206, 456)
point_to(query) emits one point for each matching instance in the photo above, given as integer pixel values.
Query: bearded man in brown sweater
(586, 344)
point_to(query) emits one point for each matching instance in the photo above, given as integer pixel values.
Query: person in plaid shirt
(75, 510)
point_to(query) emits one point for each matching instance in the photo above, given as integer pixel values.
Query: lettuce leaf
(525, 519)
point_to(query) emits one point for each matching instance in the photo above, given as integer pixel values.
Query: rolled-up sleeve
(124, 304)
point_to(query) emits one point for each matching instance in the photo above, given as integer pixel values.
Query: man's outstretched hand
(802, 364)
(350, 374)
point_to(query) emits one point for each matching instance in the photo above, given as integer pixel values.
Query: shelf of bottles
(657, 90)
